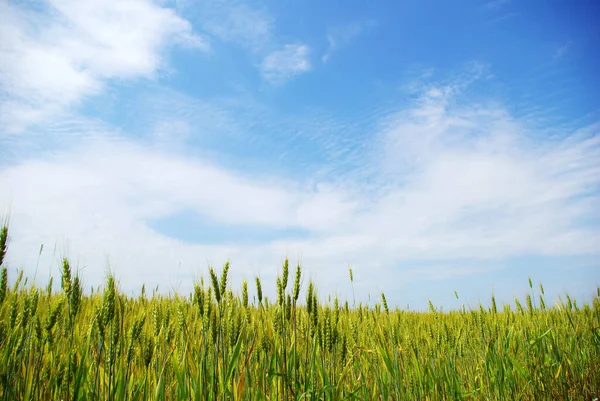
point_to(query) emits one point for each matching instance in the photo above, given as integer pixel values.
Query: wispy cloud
(281, 65)
(341, 36)
(453, 180)
(251, 26)
(247, 25)
(495, 11)
(55, 55)
(502, 18)
(495, 4)
(561, 50)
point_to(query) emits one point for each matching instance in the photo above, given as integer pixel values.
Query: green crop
(216, 344)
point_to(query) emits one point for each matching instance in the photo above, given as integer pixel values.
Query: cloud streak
(341, 36)
(249, 26)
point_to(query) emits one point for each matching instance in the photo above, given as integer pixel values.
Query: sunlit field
(214, 344)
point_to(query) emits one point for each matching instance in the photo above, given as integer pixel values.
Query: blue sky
(431, 146)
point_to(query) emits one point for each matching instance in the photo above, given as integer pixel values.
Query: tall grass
(217, 345)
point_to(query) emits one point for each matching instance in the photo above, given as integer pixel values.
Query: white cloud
(99, 200)
(456, 181)
(482, 184)
(281, 65)
(248, 24)
(62, 51)
(236, 22)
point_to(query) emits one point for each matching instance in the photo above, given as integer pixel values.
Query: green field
(214, 344)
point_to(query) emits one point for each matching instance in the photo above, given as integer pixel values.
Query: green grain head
(3, 284)
(3, 242)
(215, 284)
(286, 272)
(259, 293)
(385, 304)
(224, 274)
(66, 277)
(245, 294)
(297, 283)
(108, 301)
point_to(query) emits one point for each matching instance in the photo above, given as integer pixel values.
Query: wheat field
(214, 344)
